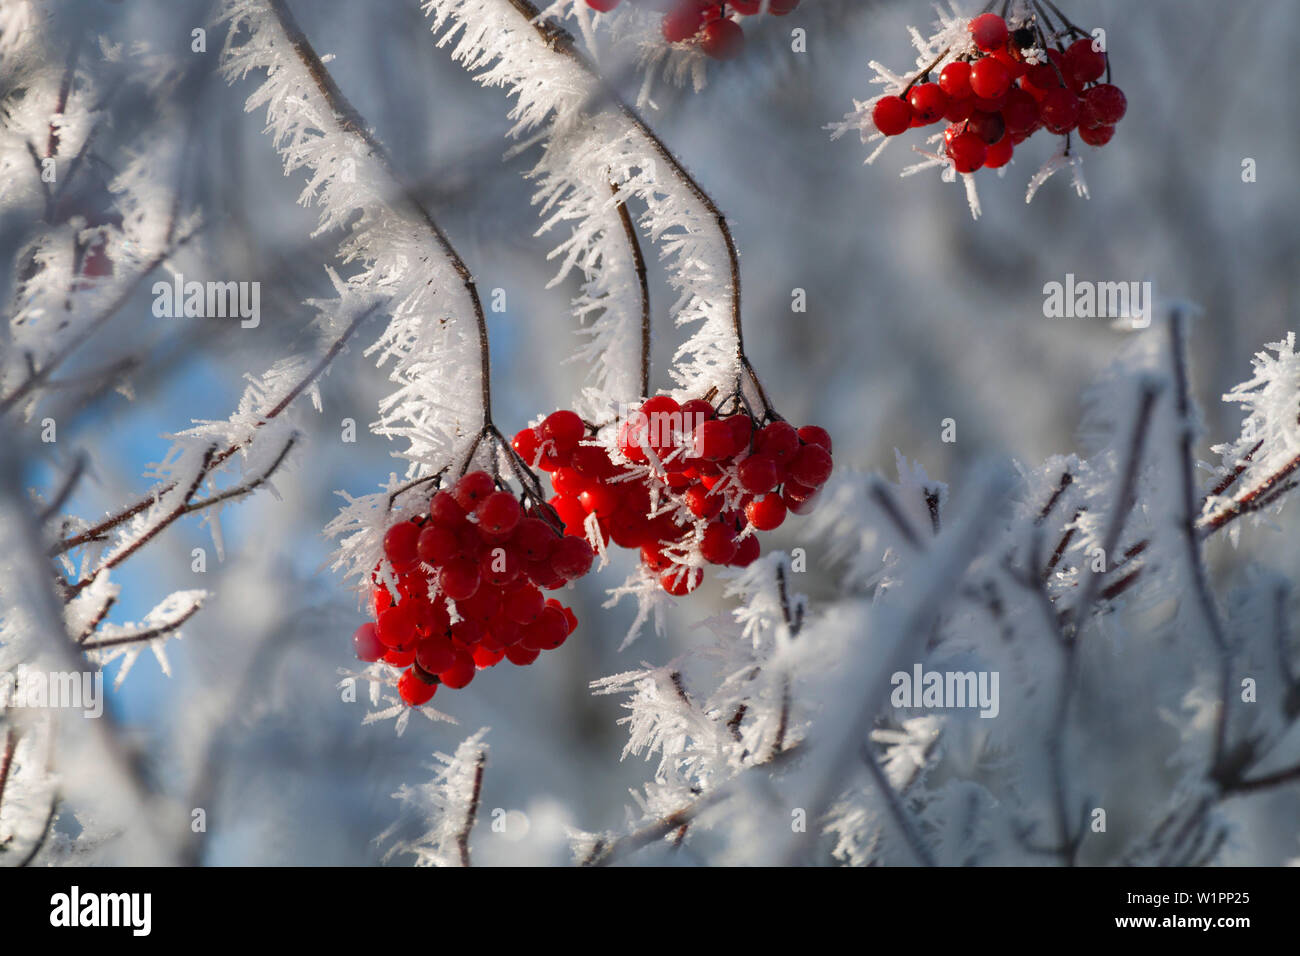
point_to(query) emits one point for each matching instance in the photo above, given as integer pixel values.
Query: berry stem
(559, 40)
(924, 73)
(643, 283)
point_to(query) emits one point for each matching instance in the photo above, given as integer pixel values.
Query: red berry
(459, 578)
(694, 413)
(967, 152)
(548, 631)
(928, 102)
(437, 545)
(400, 658)
(1096, 135)
(1021, 112)
(534, 539)
(1103, 105)
(653, 557)
(959, 110)
(892, 115)
(723, 39)
(466, 633)
(400, 545)
(631, 435)
(747, 551)
(662, 418)
(683, 21)
(600, 499)
(414, 689)
(473, 488)
(564, 428)
(592, 463)
(767, 512)
(680, 581)
(989, 32)
(499, 513)
(955, 80)
(518, 654)
(990, 78)
(1083, 63)
(713, 440)
(987, 126)
(815, 435)
(396, 626)
(445, 512)
(569, 481)
(999, 154)
(742, 429)
(1059, 110)
(571, 513)
(526, 443)
(778, 440)
(503, 632)
(573, 558)
(602, 6)
(487, 657)
(435, 654)
(499, 566)
(366, 642)
(523, 604)
(799, 499)
(813, 465)
(718, 544)
(758, 473)
(461, 672)
(746, 8)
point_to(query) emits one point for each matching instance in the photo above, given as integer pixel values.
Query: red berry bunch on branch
(714, 26)
(996, 80)
(682, 483)
(469, 580)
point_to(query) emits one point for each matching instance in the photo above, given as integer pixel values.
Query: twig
(1125, 500)
(603, 852)
(140, 636)
(880, 492)
(350, 121)
(902, 818)
(643, 284)
(462, 838)
(98, 531)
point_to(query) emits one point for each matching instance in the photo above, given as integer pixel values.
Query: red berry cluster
(481, 557)
(994, 100)
(709, 23)
(683, 484)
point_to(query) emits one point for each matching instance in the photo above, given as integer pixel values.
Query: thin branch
(141, 636)
(471, 814)
(46, 828)
(880, 492)
(350, 121)
(98, 531)
(603, 852)
(560, 41)
(902, 818)
(65, 491)
(643, 284)
(1125, 500)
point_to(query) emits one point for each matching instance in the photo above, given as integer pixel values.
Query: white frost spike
(447, 805)
(589, 145)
